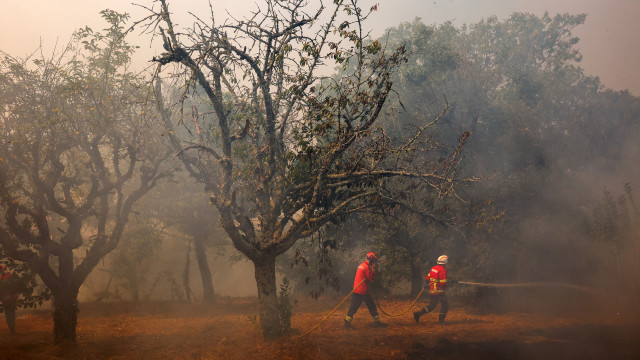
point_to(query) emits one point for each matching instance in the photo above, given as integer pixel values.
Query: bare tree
(74, 159)
(282, 148)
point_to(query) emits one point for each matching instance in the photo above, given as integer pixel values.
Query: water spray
(529, 284)
(532, 284)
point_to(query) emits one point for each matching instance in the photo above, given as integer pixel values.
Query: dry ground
(227, 330)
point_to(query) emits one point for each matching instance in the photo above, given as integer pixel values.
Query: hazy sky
(609, 40)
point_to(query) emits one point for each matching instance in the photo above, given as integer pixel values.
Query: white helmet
(443, 259)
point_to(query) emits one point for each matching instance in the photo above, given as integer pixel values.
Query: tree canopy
(287, 149)
(76, 155)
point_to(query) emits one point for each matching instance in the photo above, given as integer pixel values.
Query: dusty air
(296, 181)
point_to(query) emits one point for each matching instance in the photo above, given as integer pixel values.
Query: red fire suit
(364, 272)
(437, 279)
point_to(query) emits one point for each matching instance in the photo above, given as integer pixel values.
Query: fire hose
(404, 311)
(332, 311)
(530, 284)
(346, 297)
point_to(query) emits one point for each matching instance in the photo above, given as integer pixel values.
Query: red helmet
(372, 256)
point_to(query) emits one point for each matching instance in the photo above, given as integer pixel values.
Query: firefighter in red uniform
(437, 283)
(8, 298)
(364, 276)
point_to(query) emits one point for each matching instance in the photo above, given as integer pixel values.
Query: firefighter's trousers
(356, 301)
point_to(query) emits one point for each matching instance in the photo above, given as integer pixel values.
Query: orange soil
(227, 330)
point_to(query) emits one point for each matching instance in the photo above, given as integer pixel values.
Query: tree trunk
(65, 315)
(135, 287)
(265, 268)
(205, 272)
(186, 274)
(10, 315)
(417, 279)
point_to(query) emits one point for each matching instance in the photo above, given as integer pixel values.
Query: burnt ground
(228, 330)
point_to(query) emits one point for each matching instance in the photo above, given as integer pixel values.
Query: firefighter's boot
(378, 323)
(417, 314)
(347, 322)
(441, 318)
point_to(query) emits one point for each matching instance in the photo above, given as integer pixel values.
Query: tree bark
(186, 274)
(417, 279)
(135, 287)
(10, 315)
(65, 315)
(265, 268)
(205, 271)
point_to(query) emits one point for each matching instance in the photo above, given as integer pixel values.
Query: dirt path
(228, 330)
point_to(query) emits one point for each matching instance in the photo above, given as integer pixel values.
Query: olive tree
(282, 147)
(75, 156)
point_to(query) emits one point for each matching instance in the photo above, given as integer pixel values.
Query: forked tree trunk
(205, 271)
(265, 268)
(65, 315)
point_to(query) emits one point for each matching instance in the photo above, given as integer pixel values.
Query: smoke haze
(607, 39)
